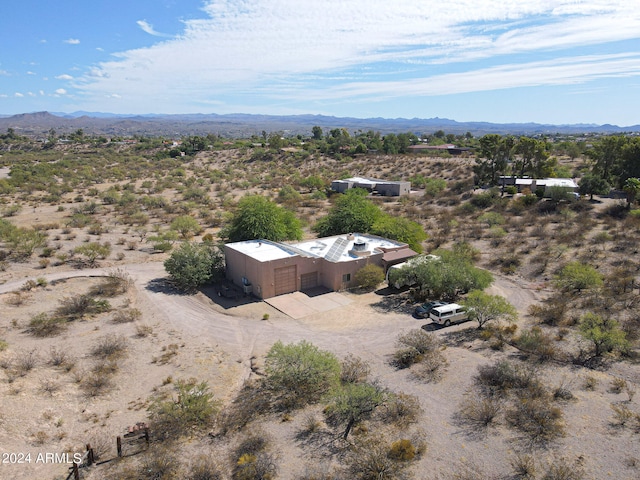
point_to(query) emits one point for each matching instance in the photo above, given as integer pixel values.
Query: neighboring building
(535, 183)
(268, 269)
(449, 148)
(381, 187)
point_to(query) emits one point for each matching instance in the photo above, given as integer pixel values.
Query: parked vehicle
(448, 314)
(423, 311)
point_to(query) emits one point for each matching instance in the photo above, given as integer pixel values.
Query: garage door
(308, 280)
(284, 280)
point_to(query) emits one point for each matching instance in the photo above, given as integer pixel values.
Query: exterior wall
(394, 189)
(333, 271)
(341, 186)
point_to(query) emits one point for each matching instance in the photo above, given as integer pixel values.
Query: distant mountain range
(244, 125)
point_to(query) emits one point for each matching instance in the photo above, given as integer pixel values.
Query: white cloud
(272, 49)
(72, 41)
(4, 73)
(18, 95)
(31, 73)
(61, 91)
(148, 28)
(64, 77)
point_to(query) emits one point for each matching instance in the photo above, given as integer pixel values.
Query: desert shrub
(590, 382)
(622, 415)
(535, 342)
(402, 450)
(44, 325)
(193, 409)
(76, 307)
(401, 409)
(560, 469)
(110, 347)
(95, 384)
(604, 333)
(537, 418)
(524, 466)
(205, 468)
(353, 369)
(430, 368)
(3, 345)
(369, 277)
(143, 330)
(298, 374)
(160, 463)
(24, 361)
(480, 411)
(552, 312)
(504, 376)
(576, 276)
(127, 315)
(617, 385)
(117, 282)
(413, 346)
(252, 444)
(59, 357)
(255, 467)
(370, 460)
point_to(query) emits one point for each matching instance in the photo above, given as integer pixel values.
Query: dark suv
(422, 311)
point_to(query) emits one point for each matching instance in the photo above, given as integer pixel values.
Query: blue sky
(546, 61)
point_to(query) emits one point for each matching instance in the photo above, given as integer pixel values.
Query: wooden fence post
(119, 446)
(76, 472)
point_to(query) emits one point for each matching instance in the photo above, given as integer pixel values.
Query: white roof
(333, 249)
(548, 182)
(367, 181)
(261, 250)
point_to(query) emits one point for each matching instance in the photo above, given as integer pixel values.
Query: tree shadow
(393, 301)
(163, 285)
(227, 295)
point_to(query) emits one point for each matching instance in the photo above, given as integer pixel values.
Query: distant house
(381, 187)
(449, 148)
(534, 184)
(268, 269)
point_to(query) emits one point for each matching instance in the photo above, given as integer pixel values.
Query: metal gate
(308, 281)
(284, 280)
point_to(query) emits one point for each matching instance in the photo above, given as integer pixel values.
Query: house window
(346, 278)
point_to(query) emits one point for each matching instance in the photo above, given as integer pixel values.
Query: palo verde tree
(299, 374)
(604, 333)
(576, 276)
(591, 185)
(493, 157)
(193, 265)
(632, 189)
(352, 403)
(259, 218)
(485, 308)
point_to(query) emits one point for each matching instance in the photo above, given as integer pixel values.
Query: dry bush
(159, 463)
(17, 299)
(480, 411)
(622, 415)
(430, 368)
(25, 361)
(401, 409)
(102, 445)
(538, 343)
(49, 386)
(143, 330)
(206, 468)
(503, 376)
(261, 466)
(402, 450)
(252, 444)
(524, 466)
(117, 282)
(94, 384)
(311, 424)
(370, 460)
(617, 385)
(552, 312)
(77, 307)
(44, 325)
(127, 315)
(560, 469)
(354, 370)
(413, 347)
(110, 347)
(537, 418)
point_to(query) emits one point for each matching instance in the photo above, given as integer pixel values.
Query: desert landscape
(95, 338)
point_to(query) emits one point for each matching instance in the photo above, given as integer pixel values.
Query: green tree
(316, 131)
(193, 409)
(352, 212)
(606, 154)
(632, 189)
(493, 157)
(401, 229)
(604, 333)
(93, 251)
(532, 159)
(300, 373)
(593, 185)
(369, 276)
(485, 308)
(352, 403)
(193, 265)
(445, 276)
(578, 276)
(186, 226)
(259, 218)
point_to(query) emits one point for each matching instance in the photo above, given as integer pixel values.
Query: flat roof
(262, 250)
(369, 181)
(548, 182)
(338, 248)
